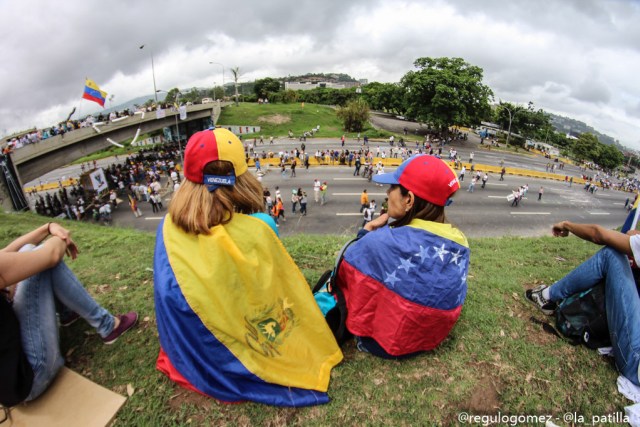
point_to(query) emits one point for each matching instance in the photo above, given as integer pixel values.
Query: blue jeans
(621, 299)
(34, 305)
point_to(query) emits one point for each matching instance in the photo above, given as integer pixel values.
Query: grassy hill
(495, 360)
(276, 120)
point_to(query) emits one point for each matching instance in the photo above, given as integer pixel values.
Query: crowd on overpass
(33, 136)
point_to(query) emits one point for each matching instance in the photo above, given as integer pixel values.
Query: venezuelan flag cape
(93, 93)
(405, 286)
(236, 318)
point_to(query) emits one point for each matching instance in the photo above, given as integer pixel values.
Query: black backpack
(582, 318)
(336, 316)
(15, 370)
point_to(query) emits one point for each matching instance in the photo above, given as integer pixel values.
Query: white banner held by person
(98, 180)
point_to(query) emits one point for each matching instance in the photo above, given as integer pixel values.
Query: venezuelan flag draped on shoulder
(405, 287)
(236, 318)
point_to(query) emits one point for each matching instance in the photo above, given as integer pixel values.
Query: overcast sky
(578, 58)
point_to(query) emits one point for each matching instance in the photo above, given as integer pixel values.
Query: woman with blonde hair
(236, 318)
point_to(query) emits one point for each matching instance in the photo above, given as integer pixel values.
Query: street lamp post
(153, 74)
(177, 127)
(511, 116)
(214, 88)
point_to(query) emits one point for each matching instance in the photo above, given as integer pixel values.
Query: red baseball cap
(428, 177)
(207, 146)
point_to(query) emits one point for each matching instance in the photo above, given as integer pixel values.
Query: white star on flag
(441, 252)
(406, 265)
(391, 278)
(455, 257)
(422, 254)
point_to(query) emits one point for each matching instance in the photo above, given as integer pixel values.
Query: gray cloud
(575, 57)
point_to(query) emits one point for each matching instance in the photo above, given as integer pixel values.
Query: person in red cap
(404, 279)
(236, 318)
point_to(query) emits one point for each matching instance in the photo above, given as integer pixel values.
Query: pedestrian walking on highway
(303, 204)
(485, 178)
(364, 200)
(293, 167)
(472, 185)
(540, 192)
(502, 172)
(323, 193)
(294, 200)
(358, 164)
(368, 215)
(462, 172)
(316, 190)
(471, 157)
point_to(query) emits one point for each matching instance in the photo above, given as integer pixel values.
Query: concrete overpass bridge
(34, 160)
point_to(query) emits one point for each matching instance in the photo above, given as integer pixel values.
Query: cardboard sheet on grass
(72, 400)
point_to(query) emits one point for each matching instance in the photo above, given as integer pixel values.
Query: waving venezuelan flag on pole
(93, 93)
(236, 318)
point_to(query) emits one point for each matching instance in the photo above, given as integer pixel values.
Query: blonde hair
(195, 209)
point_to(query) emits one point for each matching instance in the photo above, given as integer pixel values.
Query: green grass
(276, 120)
(495, 360)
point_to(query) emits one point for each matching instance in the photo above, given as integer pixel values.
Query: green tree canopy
(354, 115)
(586, 147)
(525, 121)
(446, 91)
(171, 95)
(385, 97)
(609, 157)
(263, 88)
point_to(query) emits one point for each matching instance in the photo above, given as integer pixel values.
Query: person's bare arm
(595, 234)
(17, 266)
(34, 237)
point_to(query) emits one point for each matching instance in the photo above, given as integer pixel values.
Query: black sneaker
(69, 318)
(535, 297)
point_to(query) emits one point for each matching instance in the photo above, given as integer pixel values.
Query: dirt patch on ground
(274, 119)
(484, 397)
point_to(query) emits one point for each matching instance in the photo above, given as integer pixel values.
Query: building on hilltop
(310, 85)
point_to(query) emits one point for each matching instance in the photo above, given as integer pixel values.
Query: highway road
(483, 213)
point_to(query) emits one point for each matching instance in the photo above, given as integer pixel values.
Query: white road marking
(599, 213)
(357, 194)
(153, 218)
(348, 214)
(530, 213)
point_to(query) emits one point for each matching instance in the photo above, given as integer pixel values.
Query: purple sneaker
(127, 321)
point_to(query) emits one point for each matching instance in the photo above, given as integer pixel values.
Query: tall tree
(236, 75)
(446, 91)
